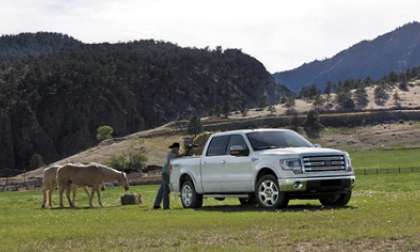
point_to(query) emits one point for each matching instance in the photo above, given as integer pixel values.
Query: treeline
(352, 94)
(52, 104)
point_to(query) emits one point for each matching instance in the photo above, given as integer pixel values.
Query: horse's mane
(105, 169)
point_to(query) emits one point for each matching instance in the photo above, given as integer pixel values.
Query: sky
(282, 34)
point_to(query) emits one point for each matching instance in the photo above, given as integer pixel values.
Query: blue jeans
(163, 193)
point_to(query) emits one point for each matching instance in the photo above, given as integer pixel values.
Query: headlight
(294, 165)
(348, 162)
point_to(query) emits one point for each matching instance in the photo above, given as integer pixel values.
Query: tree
(328, 88)
(361, 97)
(313, 124)
(36, 161)
(318, 102)
(381, 95)
(104, 132)
(226, 109)
(397, 99)
(294, 121)
(290, 102)
(194, 126)
(272, 109)
(403, 85)
(344, 101)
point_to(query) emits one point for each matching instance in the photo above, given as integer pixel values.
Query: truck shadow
(291, 208)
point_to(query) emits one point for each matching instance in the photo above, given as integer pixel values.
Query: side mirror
(238, 150)
(317, 145)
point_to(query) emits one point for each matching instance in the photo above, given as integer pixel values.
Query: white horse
(49, 184)
(93, 175)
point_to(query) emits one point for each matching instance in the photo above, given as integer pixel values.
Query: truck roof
(245, 131)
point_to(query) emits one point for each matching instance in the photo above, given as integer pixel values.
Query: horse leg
(91, 197)
(98, 192)
(74, 190)
(68, 191)
(44, 198)
(50, 191)
(60, 192)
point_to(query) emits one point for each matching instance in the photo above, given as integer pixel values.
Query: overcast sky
(282, 34)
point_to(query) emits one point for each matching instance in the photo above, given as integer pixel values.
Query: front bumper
(317, 185)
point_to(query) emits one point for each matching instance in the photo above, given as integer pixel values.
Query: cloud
(282, 34)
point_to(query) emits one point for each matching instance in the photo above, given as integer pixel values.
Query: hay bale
(131, 199)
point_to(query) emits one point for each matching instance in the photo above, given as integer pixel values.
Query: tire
(250, 201)
(189, 197)
(338, 200)
(267, 192)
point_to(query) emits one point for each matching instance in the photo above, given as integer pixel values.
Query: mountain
(395, 51)
(51, 103)
(13, 47)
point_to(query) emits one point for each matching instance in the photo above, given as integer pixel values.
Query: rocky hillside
(394, 51)
(52, 104)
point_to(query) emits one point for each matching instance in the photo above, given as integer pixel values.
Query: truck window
(236, 140)
(218, 146)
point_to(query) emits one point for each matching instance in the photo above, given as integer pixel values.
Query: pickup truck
(267, 167)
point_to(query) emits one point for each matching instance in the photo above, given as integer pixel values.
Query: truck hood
(301, 151)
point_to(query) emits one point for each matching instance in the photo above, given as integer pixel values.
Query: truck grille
(324, 163)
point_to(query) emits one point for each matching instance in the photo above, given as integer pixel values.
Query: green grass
(394, 158)
(384, 214)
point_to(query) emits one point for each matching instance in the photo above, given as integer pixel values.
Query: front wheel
(189, 197)
(268, 193)
(338, 200)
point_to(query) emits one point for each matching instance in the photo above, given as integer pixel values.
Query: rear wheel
(338, 200)
(268, 193)
(189, 197)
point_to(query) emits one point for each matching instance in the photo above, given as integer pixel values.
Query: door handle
(223, 161)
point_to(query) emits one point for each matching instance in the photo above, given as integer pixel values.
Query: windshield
(263, 140)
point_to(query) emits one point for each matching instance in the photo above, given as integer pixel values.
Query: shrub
(36, 161)
(104, 132)
(133, 161)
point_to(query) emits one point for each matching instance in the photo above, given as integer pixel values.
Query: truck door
(213, 165)
(238, 173)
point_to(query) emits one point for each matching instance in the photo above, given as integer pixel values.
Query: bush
(133, 161)
(104, 132)
(36, 161)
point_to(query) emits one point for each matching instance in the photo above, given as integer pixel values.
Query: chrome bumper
(301, 184)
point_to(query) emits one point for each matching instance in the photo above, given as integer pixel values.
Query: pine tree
(318, 102)
(313, 124)
(272, 109)
(361, 97)
(344, 101)
(397, 99)
(194, 126)
(380, 95)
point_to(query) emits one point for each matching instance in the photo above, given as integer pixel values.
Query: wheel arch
(264, 171)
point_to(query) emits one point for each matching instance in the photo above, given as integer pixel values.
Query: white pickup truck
(263, 166)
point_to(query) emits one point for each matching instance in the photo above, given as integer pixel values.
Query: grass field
(384, 215)
(394, 158)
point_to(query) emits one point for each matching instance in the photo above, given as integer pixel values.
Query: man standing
(163, 193)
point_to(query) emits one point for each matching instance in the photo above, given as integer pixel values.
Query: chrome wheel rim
(187, 194)
(268, 193)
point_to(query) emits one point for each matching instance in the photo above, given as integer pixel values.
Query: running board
(226, 195)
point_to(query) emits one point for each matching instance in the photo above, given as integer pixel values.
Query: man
(163, 193)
